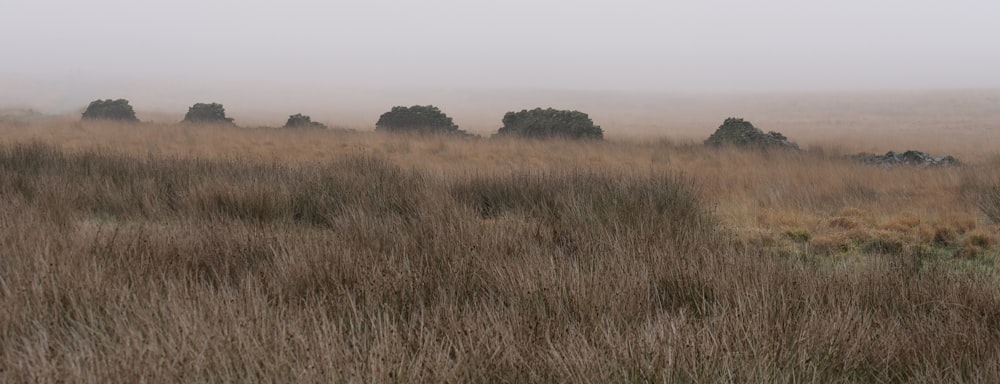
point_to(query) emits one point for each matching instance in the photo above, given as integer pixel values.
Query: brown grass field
(169, 253)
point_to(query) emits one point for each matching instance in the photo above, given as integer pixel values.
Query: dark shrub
(109, 109)
(299, 120)
(741, 133)
(541, 123)
(417, 119)
(202, 113)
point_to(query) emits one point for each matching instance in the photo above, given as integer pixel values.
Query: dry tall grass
(172, 253)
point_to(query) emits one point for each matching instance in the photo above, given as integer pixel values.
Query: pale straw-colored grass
(185, 253)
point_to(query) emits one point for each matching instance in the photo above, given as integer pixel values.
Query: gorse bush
(417, 119)
(207, 113)
(542, 123)
(108, 109)
(741, 133)
(302, 121)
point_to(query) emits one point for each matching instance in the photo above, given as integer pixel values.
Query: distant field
(931, 121)
(182, 253)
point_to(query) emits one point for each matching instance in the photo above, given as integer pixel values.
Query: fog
(358, 56)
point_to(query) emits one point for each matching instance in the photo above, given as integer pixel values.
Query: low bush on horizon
(420, 119)
(116, 110)
(545, 123)
(207, 113)
(299, 120)
(736, 132)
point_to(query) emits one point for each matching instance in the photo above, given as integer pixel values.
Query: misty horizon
(716, 46)
(347, 60)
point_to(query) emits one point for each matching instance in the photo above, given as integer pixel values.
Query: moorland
(173, 252)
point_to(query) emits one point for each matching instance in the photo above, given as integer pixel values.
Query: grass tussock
(529, 262)
(985, 194)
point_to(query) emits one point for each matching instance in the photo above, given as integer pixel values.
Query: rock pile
(911, 157)
(741, 133)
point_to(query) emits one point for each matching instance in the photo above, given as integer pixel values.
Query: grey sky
(625, 45)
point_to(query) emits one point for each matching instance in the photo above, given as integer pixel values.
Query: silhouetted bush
(543, 123)
(741, 133)
(417, 119)
(202, 113)
(299, 120)
(109, 109)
